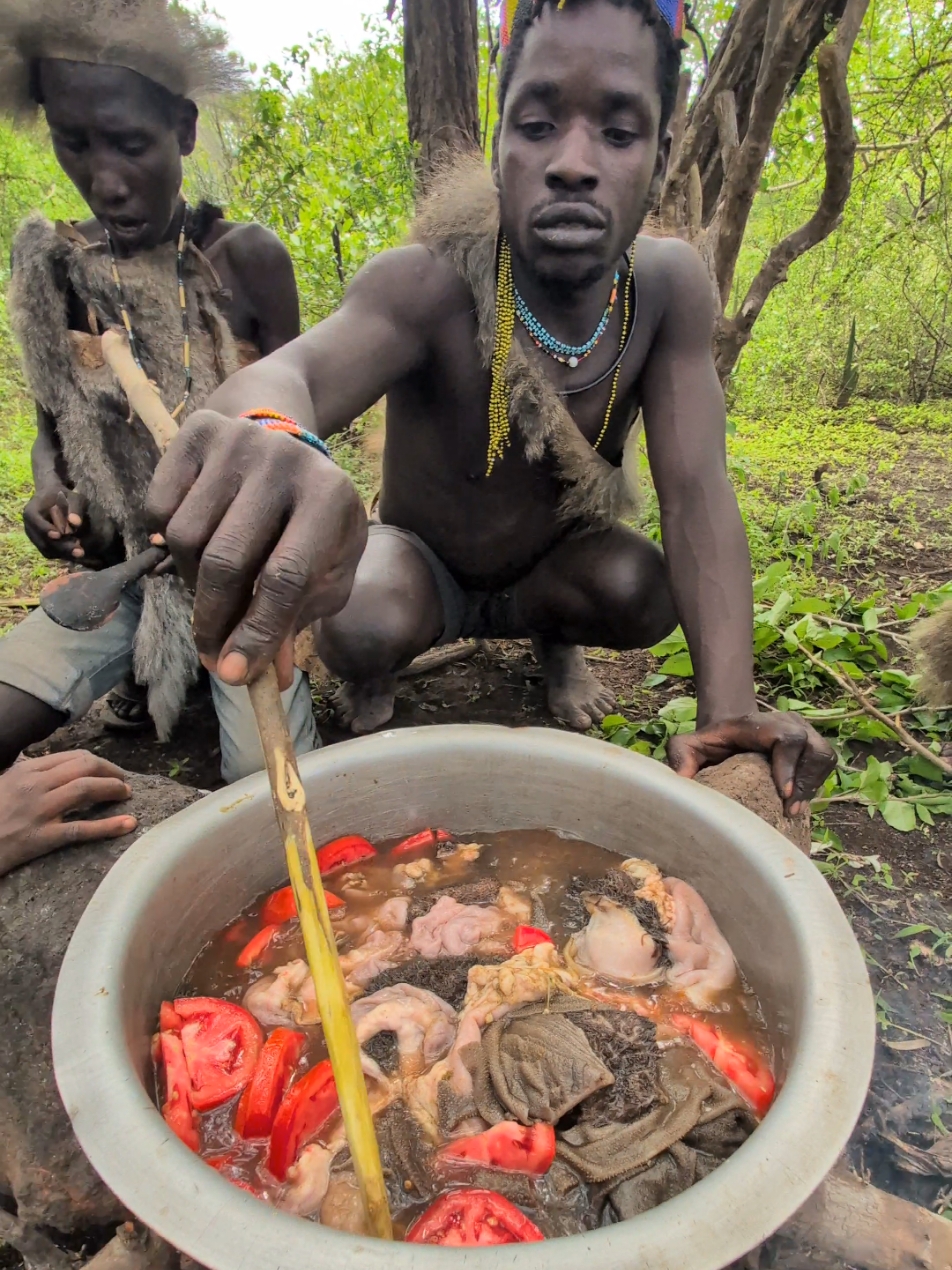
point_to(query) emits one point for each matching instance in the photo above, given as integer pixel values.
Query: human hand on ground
(265, 530)
(36, 793)
(799, 757)
(57, 523)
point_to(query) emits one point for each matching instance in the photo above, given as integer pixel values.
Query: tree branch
(725, 109)
(791, 23)
(837, 113)
(748, 17)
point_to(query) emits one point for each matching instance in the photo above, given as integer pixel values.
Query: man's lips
(126, 227)
(570, 226)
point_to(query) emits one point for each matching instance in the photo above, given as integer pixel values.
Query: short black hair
(668, 47)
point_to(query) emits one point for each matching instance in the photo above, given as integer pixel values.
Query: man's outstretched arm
(264, 529)
(706, 547)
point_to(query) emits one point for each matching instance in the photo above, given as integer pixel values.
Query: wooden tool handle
(143, 398)
(290, 806)
(332, 1000)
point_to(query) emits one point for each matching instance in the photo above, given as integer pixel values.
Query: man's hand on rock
(799, 757)
(37, 794)
(265, 530)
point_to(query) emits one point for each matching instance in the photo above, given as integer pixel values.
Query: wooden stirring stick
(290, 807)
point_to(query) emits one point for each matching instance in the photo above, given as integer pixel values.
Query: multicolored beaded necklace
(506, 311)
(567, 354)
(183, 305)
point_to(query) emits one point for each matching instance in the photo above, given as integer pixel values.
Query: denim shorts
(69, 670)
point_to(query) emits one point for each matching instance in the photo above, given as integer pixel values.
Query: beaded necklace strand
(568, 354)
(183, 305)
(506, 312)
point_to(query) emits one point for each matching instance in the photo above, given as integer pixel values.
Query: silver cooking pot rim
(100, 1029)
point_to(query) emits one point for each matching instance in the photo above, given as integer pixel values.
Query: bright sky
(261, 29)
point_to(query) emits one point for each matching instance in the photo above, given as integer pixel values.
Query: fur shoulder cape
(109, 455)
(459, 218)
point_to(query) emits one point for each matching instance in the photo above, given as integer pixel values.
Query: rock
(41, 1164)
(747, 779)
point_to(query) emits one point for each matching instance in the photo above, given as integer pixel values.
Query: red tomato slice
(421, 842)
(472, 1218)
(169, 1021)
(304, 1110)
(529, 937)
(742, 1065)
(508, 1146)
(259, 1104)
(255, 947)
(342, 852)
(177, 1108)
(222, 1042)
(279, 907)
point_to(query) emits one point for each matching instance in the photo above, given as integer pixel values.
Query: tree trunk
(715, 171)
(441, 67)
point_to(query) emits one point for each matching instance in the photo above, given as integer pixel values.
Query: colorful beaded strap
(275, 422)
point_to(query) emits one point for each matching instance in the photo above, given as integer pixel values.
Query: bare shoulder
(247, 244)
(672, 275)
(413, 283)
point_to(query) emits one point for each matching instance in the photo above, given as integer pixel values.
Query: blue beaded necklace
(567, 354)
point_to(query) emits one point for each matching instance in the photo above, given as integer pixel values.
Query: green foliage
(889, 265)
(318, 151)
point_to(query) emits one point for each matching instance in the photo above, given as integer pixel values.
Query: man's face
(116, 141)
(578, 156)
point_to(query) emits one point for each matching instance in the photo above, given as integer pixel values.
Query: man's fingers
(816, 763)
(58, 518)
(198, 520)
(72, 832)
(271, 616)
(87, 791)
(784, 758)
(178, 470)
(684, 757)
(77, 765)
(234, 559)
(75, 508)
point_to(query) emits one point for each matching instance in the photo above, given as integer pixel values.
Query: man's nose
(109, 187)
(572, 167)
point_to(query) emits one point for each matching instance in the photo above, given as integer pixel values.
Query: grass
(22, 569)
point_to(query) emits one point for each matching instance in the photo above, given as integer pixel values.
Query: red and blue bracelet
(275, 422)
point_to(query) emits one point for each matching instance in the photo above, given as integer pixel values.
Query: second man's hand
(265, 530)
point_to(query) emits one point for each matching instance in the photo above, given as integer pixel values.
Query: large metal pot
(189, 877)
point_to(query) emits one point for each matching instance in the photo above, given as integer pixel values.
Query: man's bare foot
(367, 706)
(574, 694)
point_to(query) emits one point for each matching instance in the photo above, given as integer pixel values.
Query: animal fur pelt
(111, 457)
(167, 44)
(459, 217)
(932, 640)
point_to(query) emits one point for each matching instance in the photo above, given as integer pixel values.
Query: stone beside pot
(187, 878)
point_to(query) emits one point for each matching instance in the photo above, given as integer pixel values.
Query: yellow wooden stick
(290, 808)
(332, 1000)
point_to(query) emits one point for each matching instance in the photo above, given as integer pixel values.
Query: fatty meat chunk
(702, 963)
(284, 998)
(451, 929)
(423, 1023)
(615, 945)
(380, 951)
(308, 1180)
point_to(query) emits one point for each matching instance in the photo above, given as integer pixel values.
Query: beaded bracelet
(274, 422)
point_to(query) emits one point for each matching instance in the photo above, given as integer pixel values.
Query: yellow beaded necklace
(499, 426)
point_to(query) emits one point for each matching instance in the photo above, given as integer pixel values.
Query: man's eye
(132, 148)
(620, 136)
(75, 144)
(536, 129)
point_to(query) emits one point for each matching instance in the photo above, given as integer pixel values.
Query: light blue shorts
(69, 670)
